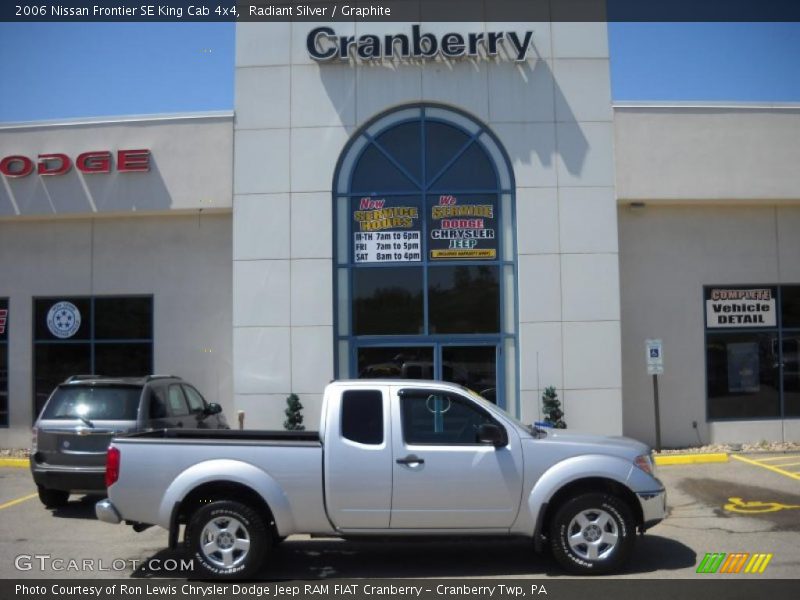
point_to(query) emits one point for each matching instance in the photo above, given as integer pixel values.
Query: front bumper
(106, 512)
(654, 507)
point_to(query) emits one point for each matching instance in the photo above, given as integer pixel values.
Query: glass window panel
(123, 318)
(404, 143)
(440, 419)
(474, 367)
(395, 362)
(790, 301)
(123, 360)
(376, 173)
(362, 416)
(3, 384)
(472, 171)
(62, 318)
(195, 400)
(176, 403)
(464, 299)
(442, 143)
(743, 371)
(387, 301)
(791, 374)
(95, 402)
(53, 363)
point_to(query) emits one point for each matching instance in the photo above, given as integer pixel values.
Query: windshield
(483, 401)
(118, 403)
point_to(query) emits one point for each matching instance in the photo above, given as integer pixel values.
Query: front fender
(212, 471)
(564, 472)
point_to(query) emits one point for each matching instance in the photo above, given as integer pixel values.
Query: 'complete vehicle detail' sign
(740, 307)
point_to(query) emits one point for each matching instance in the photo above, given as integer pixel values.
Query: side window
(158, 403)
(195, 400)
(440, 419)
(362, 416)
(177, 403)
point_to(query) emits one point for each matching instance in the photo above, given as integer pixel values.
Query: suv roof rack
(152, 377)
(72, 378)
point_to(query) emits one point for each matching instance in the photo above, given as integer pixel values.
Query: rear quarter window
(362, 416)
(114, 403)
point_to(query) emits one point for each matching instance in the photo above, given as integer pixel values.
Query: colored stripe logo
(737, 562)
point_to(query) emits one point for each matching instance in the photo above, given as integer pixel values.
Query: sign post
(655, 367)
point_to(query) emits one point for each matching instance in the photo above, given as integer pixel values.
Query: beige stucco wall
(190, 166)
(701, 154)
(667, 255)
(183, 261)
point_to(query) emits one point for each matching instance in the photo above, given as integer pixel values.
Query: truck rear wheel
(592, 534)
(227, 540)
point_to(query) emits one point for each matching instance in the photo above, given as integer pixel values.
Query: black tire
(53, 498)
(593, 534)
(227, 540)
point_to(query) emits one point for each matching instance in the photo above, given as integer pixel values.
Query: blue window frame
(4, 409)
(424, 250)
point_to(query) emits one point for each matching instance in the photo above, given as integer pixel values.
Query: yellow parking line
(784, 457)
(17, 501)
(781, 465)
(769, 467)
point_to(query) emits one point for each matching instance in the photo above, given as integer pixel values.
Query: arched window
(425, 282)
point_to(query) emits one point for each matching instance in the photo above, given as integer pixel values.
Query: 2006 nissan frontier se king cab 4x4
(391, 458)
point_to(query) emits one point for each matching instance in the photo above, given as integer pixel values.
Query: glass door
(472, 366)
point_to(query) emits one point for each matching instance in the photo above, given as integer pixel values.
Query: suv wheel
(53, 498)
(227, 539)
(592, 534)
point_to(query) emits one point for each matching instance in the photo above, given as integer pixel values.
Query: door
(358, 459)
(444, 478)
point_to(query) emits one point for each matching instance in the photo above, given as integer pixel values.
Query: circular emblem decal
(63, 319)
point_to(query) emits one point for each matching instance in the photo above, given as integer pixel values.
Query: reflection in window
(440, 418)
(396, 362)
(464, 299)
(743, 373)
(387, 301)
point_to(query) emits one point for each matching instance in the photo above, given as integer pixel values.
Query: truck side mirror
(489, 433)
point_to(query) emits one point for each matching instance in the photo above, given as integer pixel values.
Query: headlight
(645, 463)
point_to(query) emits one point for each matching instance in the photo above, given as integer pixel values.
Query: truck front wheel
(227, 540)
(592, 534)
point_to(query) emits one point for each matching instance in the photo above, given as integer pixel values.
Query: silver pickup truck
(391, 458)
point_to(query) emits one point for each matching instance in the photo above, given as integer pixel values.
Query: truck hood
(583, 443)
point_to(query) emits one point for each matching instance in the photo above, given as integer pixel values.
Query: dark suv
(81, 416)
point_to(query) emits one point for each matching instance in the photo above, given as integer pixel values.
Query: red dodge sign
(94, 161)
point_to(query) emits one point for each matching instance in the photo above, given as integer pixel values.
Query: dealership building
(440, 201)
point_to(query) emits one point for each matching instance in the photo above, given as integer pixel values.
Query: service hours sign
(387, 230)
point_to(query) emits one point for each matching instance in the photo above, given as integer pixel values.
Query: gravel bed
(743, 448)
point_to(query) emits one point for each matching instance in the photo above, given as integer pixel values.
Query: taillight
(112, 465)
(34, 440)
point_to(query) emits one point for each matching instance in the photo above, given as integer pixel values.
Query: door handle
(411, 459)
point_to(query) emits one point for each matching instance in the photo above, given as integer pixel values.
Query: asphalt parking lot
(748, 507)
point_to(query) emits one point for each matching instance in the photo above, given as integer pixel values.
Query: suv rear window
(94, 402)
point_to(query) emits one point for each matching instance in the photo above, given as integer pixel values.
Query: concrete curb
(14, 462)
(691, 459)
